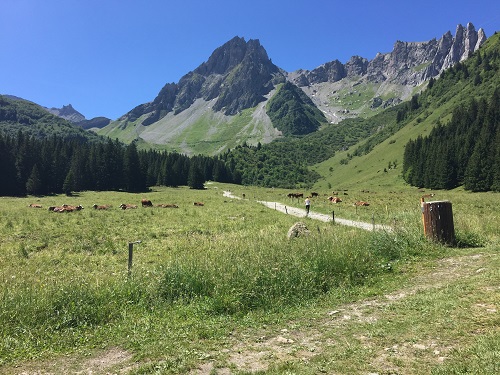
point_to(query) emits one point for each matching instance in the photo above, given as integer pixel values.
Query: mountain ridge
(227, 88)
(239, 75)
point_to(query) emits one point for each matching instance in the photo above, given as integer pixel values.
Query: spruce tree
(34, 183)
(196, 178)
(135, 179)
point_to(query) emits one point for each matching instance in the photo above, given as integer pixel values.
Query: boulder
(297, 230)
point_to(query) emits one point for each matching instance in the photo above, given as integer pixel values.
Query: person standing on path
(308, 205)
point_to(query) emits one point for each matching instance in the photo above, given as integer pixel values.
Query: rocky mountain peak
(238, 74)
(401, 65)
(230, 54)
(67, 112)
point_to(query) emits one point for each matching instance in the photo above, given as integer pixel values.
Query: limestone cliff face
(404, 65)
(237, 74)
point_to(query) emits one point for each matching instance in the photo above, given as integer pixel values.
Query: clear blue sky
(107, 56)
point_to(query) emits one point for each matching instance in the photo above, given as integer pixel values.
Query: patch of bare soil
(113, 361)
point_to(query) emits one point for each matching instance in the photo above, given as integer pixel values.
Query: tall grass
(269, 274)
(65, 283)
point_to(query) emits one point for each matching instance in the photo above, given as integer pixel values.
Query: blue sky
(107, 56)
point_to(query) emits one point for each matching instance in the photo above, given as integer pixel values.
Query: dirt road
(299, 212)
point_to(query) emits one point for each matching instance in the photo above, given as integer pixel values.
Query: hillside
(368, 153)
(224, 102)
(30, 118)
(376, 162)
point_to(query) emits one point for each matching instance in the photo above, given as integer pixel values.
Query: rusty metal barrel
(437, 217)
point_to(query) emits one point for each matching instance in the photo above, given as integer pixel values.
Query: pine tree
(196, 178)
(9, 181)
(135, 179)
(34, 183)
(69, 183)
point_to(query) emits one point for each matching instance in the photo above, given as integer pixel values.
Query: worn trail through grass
(299, 212)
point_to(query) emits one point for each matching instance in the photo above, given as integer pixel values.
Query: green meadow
(220, 289)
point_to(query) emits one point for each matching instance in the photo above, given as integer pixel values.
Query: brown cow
(334, 199)
(124, 206)
(66, 208)
(35, 205)
(104, 207)
(361, 203)
(146, 203)
(199, 203)
(314, 194)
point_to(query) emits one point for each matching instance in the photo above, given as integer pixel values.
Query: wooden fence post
(131, 255)
(437, 218)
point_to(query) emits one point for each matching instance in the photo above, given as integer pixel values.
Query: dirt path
(299, 212)
(301, 341)
(256, 350)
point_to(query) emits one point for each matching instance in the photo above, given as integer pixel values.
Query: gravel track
(299, 212)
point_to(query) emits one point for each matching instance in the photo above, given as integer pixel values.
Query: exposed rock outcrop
(67, 112)
(404, 64)
(238, 74)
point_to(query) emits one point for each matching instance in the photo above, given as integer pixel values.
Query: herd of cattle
(147, 203)
(123, 206)
(332, 198)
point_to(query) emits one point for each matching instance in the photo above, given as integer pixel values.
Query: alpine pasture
(210, 285)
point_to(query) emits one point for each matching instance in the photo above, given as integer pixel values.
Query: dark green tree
(34, 183)
(196, 177)
(135, 179)
(69, 183)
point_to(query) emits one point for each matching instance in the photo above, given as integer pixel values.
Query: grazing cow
(334, 199)
(295, 195)
(314, 194)
(199, 203)
(167, 205)
(35, 205)
(104, 207)
(146, 203)
(124, 206)
(65, 208)
(361, 203)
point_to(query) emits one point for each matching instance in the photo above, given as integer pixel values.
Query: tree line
(54, 165)
(465, 152)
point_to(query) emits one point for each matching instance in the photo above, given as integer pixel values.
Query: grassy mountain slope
(197, 130)
(33, 120)
(375, 163)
